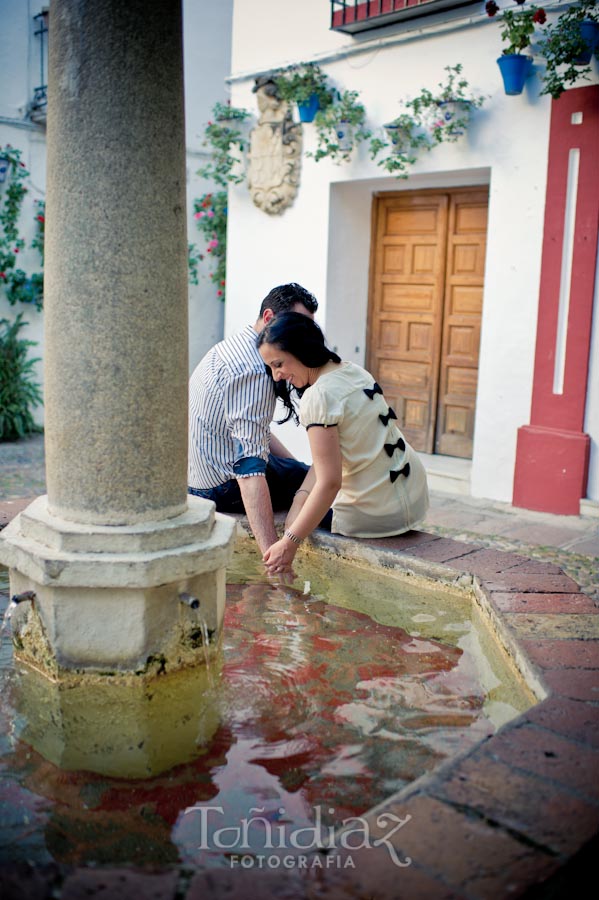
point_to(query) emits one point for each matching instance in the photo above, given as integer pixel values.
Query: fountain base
(147, 597)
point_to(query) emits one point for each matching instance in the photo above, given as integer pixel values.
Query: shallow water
(323, 712)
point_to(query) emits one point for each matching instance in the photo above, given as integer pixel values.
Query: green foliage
(517, 29)
(296, 84)
(429, 109)
(227, 144)
(562, 45)
(432, 118)
(18, 286)
(346, 113)
(403, 141)
(18, 392)
(211, 218)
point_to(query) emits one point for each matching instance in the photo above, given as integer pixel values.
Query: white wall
(323, 240)
(19, 74)
(207, 47)
(207, 50)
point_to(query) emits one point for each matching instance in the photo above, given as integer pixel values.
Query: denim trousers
(283, 476)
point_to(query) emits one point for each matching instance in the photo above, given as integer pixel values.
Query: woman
(361, 463)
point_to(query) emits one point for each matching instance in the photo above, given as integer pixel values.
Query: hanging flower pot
(515, 69)
(308, 110)
(398, 135)
(345, 137)
(4, 168)
(454, 116)
(589, 32)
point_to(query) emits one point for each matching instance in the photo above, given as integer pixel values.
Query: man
(234, 459)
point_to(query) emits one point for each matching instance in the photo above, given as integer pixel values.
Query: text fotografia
(246, 844)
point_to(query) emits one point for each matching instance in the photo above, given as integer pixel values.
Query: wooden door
(462, 311)
(405, 310)
(424, 313)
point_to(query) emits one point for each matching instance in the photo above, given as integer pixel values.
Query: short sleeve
(249, 402)
(320, 407)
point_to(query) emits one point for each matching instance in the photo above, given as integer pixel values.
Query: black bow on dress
(375, 390)
(395, 473)
(390, 449)
(390, 415)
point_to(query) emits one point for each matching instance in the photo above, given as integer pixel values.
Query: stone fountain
(124, 573)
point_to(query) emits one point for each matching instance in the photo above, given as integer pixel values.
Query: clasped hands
(278, 560)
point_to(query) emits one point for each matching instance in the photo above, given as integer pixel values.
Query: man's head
(286, 298)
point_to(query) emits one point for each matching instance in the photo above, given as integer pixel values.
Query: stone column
(116, 271)
(126, 574)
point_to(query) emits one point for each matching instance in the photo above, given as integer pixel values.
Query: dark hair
(281, 298)
(301, 336)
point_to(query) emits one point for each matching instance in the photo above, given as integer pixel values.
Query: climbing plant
(18, 286)
(227, 143)
(211, 218)
(19, 393)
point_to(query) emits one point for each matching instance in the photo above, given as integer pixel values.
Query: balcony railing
(39, 104)
(359, 15)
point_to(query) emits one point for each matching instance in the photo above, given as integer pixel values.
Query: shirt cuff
(249, 465)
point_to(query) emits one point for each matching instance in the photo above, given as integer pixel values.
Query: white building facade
(468, 367)
(494, 404)
(26, 28)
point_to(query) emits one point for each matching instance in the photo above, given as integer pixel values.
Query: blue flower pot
(308, 110)
(589, 32)
(515, 69)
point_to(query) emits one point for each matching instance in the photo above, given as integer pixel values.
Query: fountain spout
(26, 596)
(190, 601)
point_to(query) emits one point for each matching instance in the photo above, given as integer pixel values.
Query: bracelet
(301, 491)
(293, 537)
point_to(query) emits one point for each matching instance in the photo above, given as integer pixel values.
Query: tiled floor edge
(437, 795)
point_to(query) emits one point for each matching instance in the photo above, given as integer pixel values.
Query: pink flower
(199, 215)
(212, 244)
(219, 293)
(210, 213)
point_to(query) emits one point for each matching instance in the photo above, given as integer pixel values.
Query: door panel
(425, 308)
(405, 325)
(462, 311)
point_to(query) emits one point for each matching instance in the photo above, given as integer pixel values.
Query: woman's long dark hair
(299, 335)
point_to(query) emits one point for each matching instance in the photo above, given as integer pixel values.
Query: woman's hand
(279, 557)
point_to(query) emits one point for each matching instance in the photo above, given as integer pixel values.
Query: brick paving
(518, 815)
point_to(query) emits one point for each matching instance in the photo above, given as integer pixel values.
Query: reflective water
(322, 711)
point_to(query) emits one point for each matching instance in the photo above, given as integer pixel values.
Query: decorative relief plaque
(274, 160)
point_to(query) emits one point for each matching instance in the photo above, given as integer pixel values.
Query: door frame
(387, 194)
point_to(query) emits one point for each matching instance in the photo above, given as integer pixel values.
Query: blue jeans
(283, 476)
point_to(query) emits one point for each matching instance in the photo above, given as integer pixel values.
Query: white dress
(383, 488)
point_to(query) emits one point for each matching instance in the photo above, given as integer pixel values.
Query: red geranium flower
(540, 17)
(491, 8)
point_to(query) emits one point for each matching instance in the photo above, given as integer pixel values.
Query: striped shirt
(231, 405)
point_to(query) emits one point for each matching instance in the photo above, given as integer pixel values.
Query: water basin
(324, 700)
